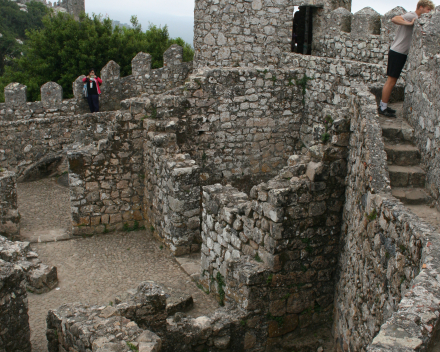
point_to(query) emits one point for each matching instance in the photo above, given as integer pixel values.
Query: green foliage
(200, 286)
(303, 83)
(221, 292)
(303, 268)
(325, 137)
(286, 296)
(64, 49)
(152, 228)
(243, 322)
(402, 248)
(257, 258)
(161, 247)
(132, 347)
(269, 279)
(111, 303)
(14, 24)
(373, 215)
(127, 227)
(106, 230)
(279, 320)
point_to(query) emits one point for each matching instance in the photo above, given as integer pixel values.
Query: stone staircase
(406, 176)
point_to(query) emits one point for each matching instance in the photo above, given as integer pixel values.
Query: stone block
(141, 64)
(14, 318)
(173, 56)
(365, 21)
(110, 72)
(339, 20)
(15, 95)
(51, 95)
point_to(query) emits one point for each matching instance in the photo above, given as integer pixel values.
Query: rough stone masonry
(271, 163)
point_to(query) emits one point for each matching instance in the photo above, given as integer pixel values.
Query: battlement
(114, 88)
(363, 36)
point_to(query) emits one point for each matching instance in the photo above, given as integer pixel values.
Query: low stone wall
(173, 196)
(24, 143)
(365, 36)
(422, 105)
(106, 181)
(81, 327)
(9, 216)
(388, 255)
(14, 319)
(114, 88)
(39, 277)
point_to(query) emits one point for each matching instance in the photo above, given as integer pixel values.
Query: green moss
(221, 292)
(279, 320)
(269, 279)
(152, 228)
(132, 347)
(373, 215)
(243, 322)
(127, 227)
(325, 137)
(286, 296)
(257, 258)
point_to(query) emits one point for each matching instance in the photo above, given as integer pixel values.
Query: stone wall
(385, 251)
(39, 277)
(25, 144)
(9, 216)
(246, 33)
(92, 328)
(114, 88)
(14, 319)
(365, 36)
(106, 179)
(421, 102)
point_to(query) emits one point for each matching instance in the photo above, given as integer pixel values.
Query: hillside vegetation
(63, 49)
(13, 26)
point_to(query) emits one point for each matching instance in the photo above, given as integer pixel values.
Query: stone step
(396, 130)
(411, 195)
(402, 154)
(406, 176)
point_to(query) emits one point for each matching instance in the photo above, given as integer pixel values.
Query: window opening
(302, 30)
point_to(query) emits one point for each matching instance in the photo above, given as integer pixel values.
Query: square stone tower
(74, 7)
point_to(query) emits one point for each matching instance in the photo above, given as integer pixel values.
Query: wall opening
(302, 30)
(43, 199)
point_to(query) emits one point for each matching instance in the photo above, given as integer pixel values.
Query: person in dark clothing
(93, 91)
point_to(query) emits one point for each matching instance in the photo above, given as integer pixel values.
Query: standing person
(399, 52)
(93, 91)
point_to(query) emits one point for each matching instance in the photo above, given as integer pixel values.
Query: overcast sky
(178, 14)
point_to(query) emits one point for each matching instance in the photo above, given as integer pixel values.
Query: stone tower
(74, 7)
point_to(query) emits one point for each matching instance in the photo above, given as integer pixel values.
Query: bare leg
(387, 89)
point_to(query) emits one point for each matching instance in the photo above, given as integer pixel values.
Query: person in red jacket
(93, 91)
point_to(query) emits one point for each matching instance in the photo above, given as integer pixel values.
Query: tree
(65, 48)
(13, 25)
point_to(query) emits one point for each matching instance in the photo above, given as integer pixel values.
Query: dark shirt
(91, 87)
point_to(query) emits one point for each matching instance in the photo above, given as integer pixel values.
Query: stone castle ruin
(73, 7)
(272, 164)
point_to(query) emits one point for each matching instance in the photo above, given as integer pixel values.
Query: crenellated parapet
(363, 36)
(114, 88)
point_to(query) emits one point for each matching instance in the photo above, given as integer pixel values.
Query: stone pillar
(78, 85)
(388, 29)
(110, 72)
(173, 56)
(15, 95)
(14, 318)
(339, 20)
(9, 216)
(51, 95)
(366, 21)
(141, 64)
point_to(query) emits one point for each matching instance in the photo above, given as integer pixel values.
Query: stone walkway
(44, 207)
(94, 270)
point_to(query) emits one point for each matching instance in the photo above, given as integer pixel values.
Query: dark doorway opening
(302, 30)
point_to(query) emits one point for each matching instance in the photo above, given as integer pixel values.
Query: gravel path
(95, 269)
